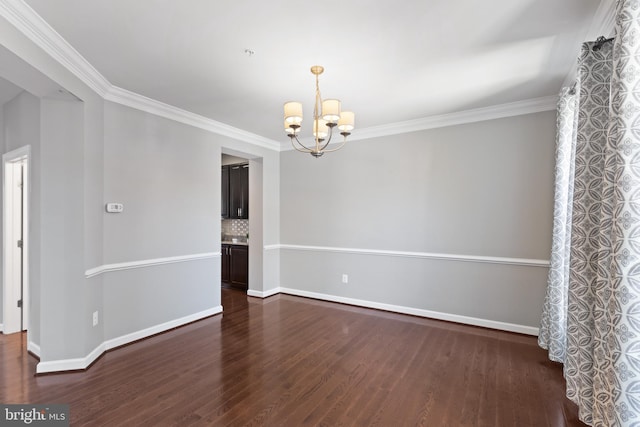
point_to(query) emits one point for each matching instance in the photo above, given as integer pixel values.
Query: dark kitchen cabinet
(225, 264)
(235, 191)
(239, 191)
(239, 274)
(235, 266)
(225, 191)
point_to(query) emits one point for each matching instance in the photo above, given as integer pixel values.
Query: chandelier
(326, 116)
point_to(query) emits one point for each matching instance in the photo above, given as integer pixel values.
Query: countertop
(238, 243)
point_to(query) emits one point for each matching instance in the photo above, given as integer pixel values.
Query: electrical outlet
(95, 318)
(345, 278)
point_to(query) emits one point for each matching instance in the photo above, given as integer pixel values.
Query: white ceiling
(388, 60)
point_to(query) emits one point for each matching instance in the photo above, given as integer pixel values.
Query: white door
(15, 231)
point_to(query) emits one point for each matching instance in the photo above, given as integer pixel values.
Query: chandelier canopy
(327, 115)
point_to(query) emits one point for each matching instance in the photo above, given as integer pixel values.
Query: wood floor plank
(290, 361)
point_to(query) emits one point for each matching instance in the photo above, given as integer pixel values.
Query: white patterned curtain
(592, 218)
(553, 328)
(591, 318)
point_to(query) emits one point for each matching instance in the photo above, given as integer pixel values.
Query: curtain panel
(589, 274)
(591, 315)
(553, 327)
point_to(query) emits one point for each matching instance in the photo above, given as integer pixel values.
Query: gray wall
(167, 175)
(93, 216)
(62, 216)
(2, 149)
(256, 235)
(480, 189)
(21, 128)
(66, 231)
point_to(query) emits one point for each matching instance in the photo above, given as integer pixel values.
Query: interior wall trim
(153, 330)
(82, 363)
(149, 105)
(33, 26)
(526, 262)
(36, 29)
(75, 364)
(467, 320)
(263, 294)
(518, 108)
(33, 348)
(148, 263)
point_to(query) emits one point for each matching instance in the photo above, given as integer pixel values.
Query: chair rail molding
(148, 263)
(527, 262)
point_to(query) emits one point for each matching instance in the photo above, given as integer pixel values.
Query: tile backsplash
(235, 227)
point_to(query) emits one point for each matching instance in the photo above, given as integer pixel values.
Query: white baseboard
(138, 335)
(70, 364)
(33, 348)
(84, 362)
(263, 294)
(474, 321)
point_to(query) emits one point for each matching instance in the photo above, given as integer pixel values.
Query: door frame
(10, 161)
(256, 197)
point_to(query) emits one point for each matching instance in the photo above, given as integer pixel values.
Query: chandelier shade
(346, 121)
(331, 110)
(293, 113)
(327, 114)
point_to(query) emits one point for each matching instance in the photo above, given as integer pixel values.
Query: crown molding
(152, 106)
(36, 29)
(518, 108)
(27, 21)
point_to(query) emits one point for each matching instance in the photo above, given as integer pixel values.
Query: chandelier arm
(328, 139)
(302, 151)
(336, 148)
(305, 148)
(293, 115)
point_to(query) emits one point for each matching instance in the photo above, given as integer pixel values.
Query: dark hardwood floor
(289, 361)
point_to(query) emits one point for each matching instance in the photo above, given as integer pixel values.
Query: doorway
(15, 232)
(250, 232)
